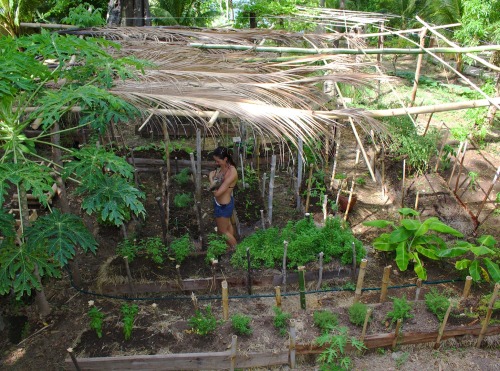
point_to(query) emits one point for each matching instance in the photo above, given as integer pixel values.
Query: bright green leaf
(462, 264)
(475, 271)
(378, 223)
(402, 256)
(493, 269)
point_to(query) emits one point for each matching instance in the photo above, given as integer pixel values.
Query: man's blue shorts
(225, 211)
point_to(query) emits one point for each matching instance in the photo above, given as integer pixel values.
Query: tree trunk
(253, 19)
(114, 16)
(40, 298)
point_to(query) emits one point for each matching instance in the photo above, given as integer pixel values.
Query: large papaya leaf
(60, 234)
(487, 240)
(462, 264)
(474, 271)
(406, 211)
(7, 223)
(453, 252)
(399, 235)
(419, 268)
(430, 253)
(402, 256)
(438, 226)
(481, 250)
(378, 223)
(493, 269)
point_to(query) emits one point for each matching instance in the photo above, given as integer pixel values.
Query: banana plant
(412, 239)
(482, 265)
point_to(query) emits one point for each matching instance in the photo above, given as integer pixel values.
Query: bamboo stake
(428, 124)
(354, 261)
(176, 165)
(417, 70)
(292, 344)
(320, 272)
(264, 185)
(178, 274)
(416, 200)
(495, 178)
(457, 156)
(309, 185)
(73, 359)
(225, 301)
(129, 276)
(271, 190)
(361, 277)
(299, 172)
(349, 201)
(198, 165)
(325, 205)
(461, 166)
(214, 272)
(443, 326)
(385, 283)
(396, 332)
(302, 287)
(441, 151)
(249, 273)
(488, 315)
(419, 287)
(194, 300)
(277, 296)
(382, 182)
(365, 324)
(242, 171)
(403, 184)
(468, 283)
(162, 220)
(166, 139)
(234, 339)
(335, 156)
(262, 219)
(285, 248)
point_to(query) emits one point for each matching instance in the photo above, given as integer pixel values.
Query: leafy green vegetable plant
(182, 200)
(151, 247)
(482, 264)
(217, 246)
(412, 239)
(181, 248)
(437, 303)
(203, 323)
(325, 320)
(96, 319)
(84, 15)
(334, 357)
(400, 309)
(357, 313)
(182, 177)
(128, 315)
(241, 324)
(281, 320)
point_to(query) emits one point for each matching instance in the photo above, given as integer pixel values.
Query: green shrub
(181, 247)
(96, 319)
(151, 247)
(357, 313)
(281, 320)
(203, 323)
(217, 246)
(335, 343)
(437, 303)
(128, 312)
(400, 309)
(241, 324)
(182, 178)
(182, 200)
(325, 320)
(128, 248)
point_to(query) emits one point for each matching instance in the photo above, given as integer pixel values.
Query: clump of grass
(357, 313)
(281, 320)
(437, 303)
(241, 324)
(325, 320)
(182, 200)
(182, 178)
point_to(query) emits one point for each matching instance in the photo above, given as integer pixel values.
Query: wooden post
(361, 277)
(382, 181)
(271, 190)
(365, 324)
(419, 287)
(214, 272)
(176, 165)
(178, 274)
(385, 283)
(349, 201)
(461, 166)
(292, 344)
(262, 219)
(416, 200)
(320, 273)
(193, 168)
(403, 185)
(443, 326)
(455, 163)
(309, 185)
(129, 275)
(495, 178)
(396, 332)
(162, 220)
(234, 340)
(428, 124)
(225, 301)
(354, 261)
(488, 315)
(242, 171)
(285, 248)
(249, 273)
(166, 139)
(277, 295)
(325, 207)
(299, 173)
(302, 287)
(198, 165)
(73, 358)
(264, 178)
(417, 70)
(335, 155)
(468, 283)
(194, 300)
(357, 155)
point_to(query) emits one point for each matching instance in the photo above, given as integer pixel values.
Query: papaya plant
(482, 264)
(412, 239)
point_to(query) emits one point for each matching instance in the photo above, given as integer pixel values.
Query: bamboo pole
(309, 185)
(325, 207)
(461, 166)
(262, 219)
(468, 283)
(320, 272)
(385, 283)
(194, 300)
(302, 287)
(335, 156)
(198, 165)
(382, 181)
(285, 248)
(403, 184)
(488, 315)
(349, 201)
(416, 200)
(417, 69)
(264, 176)
(242, 171)
(292, 344)
(299, 172)
(443, 326)
(365, 323)
(214, 273)
(428, 124)
(162, 220)
(495, 178)
(441, 151)
(249, 273)
(234, 340)
(166, 139)
(178, 274)
(354, 261)
(419, 287)
(361, 277)
(396, 332)
(271, 190)
(225, 301)
(457, 156)
(73, 359)
(277, 295)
